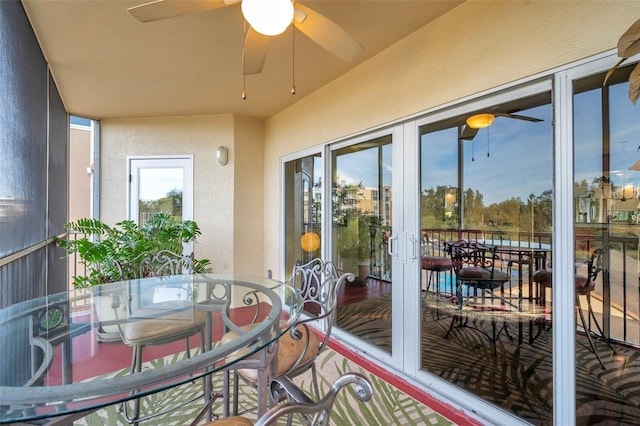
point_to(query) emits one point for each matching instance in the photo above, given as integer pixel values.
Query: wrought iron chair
(475, 266)
(318, 283)
(315, 413)
(162, 330)
(584, 285)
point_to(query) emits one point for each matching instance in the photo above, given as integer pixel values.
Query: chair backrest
(319, 284)
(153, 264)
(319, 412)
(432, 247)
(596, 264)
(471, 253)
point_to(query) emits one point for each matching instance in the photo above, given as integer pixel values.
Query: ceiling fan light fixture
(480, 121)
(268, 17)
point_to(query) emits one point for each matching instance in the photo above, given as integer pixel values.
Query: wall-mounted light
(222, 155)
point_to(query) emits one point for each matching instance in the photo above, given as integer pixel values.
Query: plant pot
(104, 312)
(363, 272)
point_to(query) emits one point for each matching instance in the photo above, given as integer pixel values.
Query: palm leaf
(628, 46)
(634, 84)
(629, 42)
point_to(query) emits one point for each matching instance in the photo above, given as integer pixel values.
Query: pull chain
(244, 74)
(473, 159)
(244, 85)
(293, 59)
(488, 141)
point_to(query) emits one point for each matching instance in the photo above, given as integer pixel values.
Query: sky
(520, 160)
(156, 183)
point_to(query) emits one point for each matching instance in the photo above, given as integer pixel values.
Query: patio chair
(475, 266)
(315, 413)
(584, 285)
(160, 331)
(318, 283)
(434, 262)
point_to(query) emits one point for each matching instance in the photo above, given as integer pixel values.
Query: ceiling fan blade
(468, 133)
(518, 117)
(255, 52)
(163, 9)
(326, 33)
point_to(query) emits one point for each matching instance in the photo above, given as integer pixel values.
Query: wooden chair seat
(584, 285)
(166, 328)
(436, 263)
(483, 277)
(544, 278)
(291, 351)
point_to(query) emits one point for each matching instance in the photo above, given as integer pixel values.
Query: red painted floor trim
(446, 410)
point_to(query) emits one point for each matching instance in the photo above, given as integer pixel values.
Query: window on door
(160, 184)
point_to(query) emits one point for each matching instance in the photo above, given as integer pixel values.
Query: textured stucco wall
(248, 235)
(477, 46)
(213, 184)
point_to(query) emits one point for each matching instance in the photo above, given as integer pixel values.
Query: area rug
(518, 377)
(389, 405)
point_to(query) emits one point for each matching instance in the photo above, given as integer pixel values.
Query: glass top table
(54, 365)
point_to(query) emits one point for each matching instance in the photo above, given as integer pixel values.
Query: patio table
(71, 374)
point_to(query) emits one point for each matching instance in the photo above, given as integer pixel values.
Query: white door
(157, 184)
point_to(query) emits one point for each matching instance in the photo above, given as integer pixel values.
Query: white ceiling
(108, 64)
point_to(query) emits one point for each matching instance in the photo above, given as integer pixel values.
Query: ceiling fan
(479, 121)
(314, 25)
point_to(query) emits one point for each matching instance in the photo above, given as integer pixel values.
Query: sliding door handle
(390, 247)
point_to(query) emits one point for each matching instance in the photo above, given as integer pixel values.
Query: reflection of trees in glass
(439, 207)
(171, 203)
(513, 214)
(345, 217)
(316, 217)
(345, 201)
(473, 208)
(360, 235)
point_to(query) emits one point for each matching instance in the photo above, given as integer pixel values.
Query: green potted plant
(104, 250)
(102, 247)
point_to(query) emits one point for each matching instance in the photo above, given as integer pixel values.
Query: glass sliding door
(606, 192)
(303, 210)
(485, 219)
(465, 270)
(362, 221)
